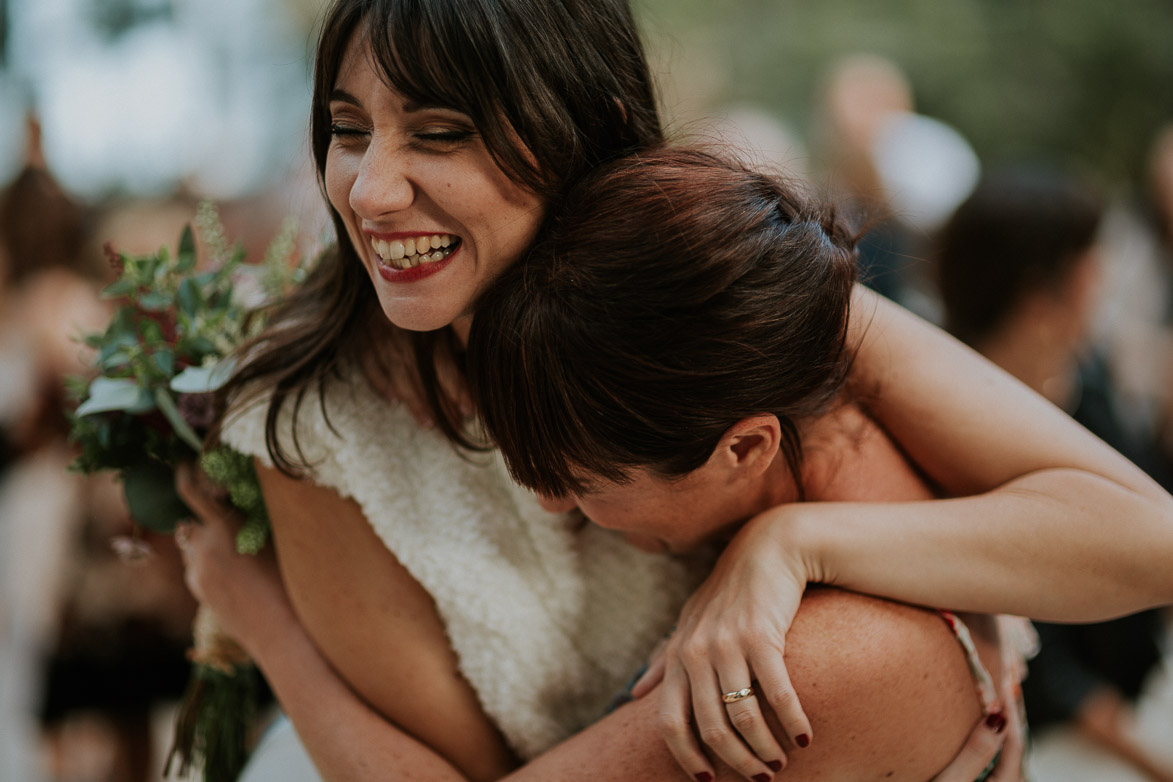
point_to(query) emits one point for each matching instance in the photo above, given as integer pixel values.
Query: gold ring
(738, 695)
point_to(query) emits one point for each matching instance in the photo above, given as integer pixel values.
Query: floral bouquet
(150, 406)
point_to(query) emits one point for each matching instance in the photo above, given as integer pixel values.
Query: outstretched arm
(850, 655)
(1059, 526)
(887, 684)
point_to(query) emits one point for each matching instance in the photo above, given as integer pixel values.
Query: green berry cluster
(235, 472)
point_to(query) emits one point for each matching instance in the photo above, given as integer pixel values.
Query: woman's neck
(461, 327)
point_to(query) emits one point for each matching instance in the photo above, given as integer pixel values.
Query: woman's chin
(646, 542)
(418, 318)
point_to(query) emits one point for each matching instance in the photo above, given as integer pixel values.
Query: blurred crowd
(1065, 282)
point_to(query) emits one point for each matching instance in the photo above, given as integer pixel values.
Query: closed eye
(341, 130)
(445, 136)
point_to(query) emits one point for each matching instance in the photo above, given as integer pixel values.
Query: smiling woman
(400, 176)
(423, 614)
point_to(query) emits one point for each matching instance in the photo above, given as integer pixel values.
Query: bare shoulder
(375, 623)
(849, 457)
(886, 686)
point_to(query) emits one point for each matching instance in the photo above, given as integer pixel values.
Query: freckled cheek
(339, 182)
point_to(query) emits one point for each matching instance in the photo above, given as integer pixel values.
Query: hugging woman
(686, 369)
(422, 614)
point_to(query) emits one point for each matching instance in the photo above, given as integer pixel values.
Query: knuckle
(671, 726)
(693, 654)
(726, 639)
(780, 697)
(743, 720)
(714, 735)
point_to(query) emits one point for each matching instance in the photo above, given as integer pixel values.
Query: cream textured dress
(549, 617)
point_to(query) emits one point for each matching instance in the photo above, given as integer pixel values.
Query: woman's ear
(748, 448)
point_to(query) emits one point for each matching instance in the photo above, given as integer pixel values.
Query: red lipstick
(415, 273)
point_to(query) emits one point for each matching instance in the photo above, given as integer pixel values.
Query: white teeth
(409, 253)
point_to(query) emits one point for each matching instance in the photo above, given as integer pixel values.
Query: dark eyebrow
(342, 96)
(409, 106)
(412, 106)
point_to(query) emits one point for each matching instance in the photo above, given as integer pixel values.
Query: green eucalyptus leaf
(155, 301)
(112, 358)
(123, 286)
(199, 345)
(164, 361)
(187, 250)
(189, 297)
(200, 380)
(108, 393)
(171, 412)
(150, 493)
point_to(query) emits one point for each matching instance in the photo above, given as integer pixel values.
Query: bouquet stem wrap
(219, 708)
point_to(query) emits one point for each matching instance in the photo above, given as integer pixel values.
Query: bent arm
(887, 685)
(357, 619)
(1060, 527)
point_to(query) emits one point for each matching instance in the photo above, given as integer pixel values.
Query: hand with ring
(723, 666)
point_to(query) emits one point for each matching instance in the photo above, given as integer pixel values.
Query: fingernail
(802, 740)
(761, 778)
(704, 776)
(996, 721)
(775, 765)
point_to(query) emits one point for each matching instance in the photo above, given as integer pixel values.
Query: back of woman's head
(1022, 230)
(673, 294)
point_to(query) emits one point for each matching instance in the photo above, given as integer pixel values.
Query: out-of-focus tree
(1080, 81)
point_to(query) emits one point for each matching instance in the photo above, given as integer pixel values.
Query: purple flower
(198, 410)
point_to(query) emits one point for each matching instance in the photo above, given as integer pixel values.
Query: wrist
(787, 530)
(273, 630)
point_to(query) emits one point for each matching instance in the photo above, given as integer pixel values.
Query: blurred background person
(903, 171)
(1134, 320)
(148, 106)
(1019, 270)
(92, 645)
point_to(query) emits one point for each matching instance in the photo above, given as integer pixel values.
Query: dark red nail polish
(704, 776)
(996, 721)
(775, 765)
(761, 778)
(802, 740)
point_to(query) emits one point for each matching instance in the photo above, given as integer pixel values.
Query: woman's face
(661, 514)
(431, 216)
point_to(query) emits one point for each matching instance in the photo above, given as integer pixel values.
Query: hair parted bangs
(555, 87)
(538, 78)
(672, 295)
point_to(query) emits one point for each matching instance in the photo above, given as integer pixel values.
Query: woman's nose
(557, 504)
(383, 184)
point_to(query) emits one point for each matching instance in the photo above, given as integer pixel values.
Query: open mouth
(409, 253)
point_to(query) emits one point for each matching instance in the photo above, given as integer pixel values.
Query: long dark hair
(555, 87)
(673, 294)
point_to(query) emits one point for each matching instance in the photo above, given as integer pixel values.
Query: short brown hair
(673, 294)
